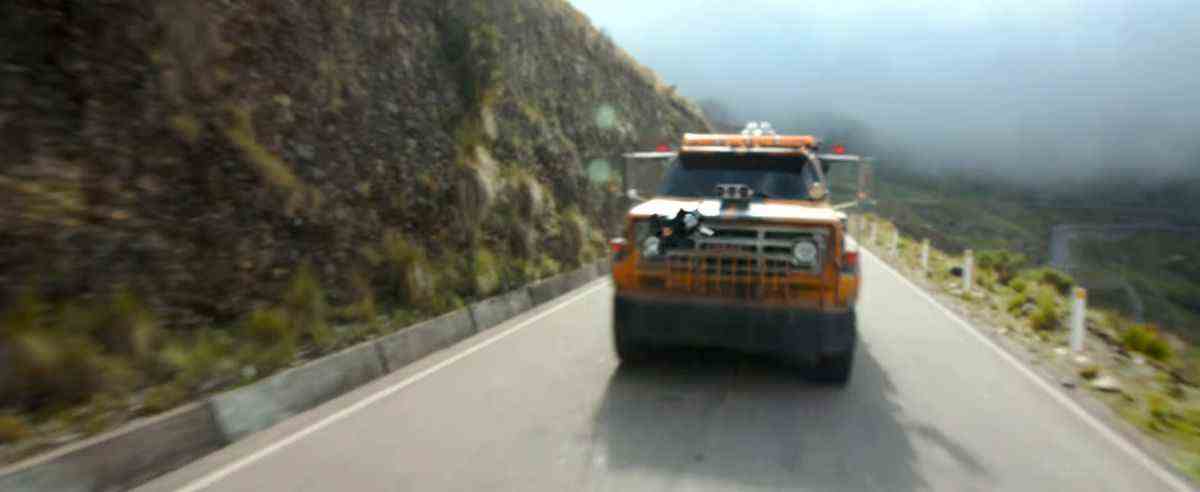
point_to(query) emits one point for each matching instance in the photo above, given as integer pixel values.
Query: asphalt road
(542, 404)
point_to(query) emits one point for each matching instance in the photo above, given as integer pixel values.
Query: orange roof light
(758, 137)
(783, 141)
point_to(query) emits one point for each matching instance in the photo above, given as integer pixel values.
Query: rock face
(199, 152)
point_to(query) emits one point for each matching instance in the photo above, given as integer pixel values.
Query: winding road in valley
(1061, 237)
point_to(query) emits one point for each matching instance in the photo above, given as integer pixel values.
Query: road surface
(541, 404)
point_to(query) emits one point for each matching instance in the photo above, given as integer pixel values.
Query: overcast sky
(1080, 85)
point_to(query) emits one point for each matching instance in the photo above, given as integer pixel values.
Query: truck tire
(834, 369)
(628, 350)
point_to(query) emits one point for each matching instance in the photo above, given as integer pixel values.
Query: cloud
(1086, 86)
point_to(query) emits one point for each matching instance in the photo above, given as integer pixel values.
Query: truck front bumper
(787, 333)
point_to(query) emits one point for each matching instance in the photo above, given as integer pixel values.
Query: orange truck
(741, 249)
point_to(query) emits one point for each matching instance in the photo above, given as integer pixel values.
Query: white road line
(215, 476)
(1121, 442)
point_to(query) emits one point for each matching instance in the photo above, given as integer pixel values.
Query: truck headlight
(647, 243)
(804, 252)
(651, 247)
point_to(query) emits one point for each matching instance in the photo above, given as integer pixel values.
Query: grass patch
(63, 203)
(162, 398)
(1005, 264)
(1047, 313)
(989, 280)
(187, 127)
(364, 309)
(241, 134)
(123, 326)
(1147, 340)
(198, 360)
(403, 271)
(1060, 281)
(487, 279)
(1016, 303)
(307, 310)
(1089, 373)
(13, 429)
(47, 363)
(269, 167)
(275, 339)
(1019, 285)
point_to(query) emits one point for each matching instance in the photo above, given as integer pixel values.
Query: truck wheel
(627, 350)
(630, 352)
(834, 369)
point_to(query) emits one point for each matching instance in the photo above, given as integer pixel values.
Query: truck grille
(744, 245)
(741, 261)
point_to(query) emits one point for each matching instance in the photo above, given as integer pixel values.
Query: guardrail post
(968, 269)
(1078, 319)
(925, 255)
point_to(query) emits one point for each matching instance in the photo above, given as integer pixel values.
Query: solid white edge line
(217, 475)
(1138, 454)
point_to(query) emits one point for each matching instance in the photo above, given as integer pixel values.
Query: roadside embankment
(1140, 373)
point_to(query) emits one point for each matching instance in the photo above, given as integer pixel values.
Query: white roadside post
(968, 269)
(896, 243)
(925, 255)
(1078, 319)
(874, 231)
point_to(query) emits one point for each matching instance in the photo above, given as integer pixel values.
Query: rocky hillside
(197, 154)
(196, 194)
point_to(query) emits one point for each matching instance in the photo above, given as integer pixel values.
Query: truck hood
(773, 210)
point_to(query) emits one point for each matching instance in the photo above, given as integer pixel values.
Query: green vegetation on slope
(1161, 267)
(959, 212)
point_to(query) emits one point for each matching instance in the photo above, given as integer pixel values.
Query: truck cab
(741, 249)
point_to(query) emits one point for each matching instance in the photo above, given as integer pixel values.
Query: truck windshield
(787, 177)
